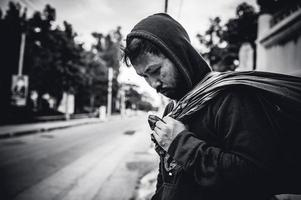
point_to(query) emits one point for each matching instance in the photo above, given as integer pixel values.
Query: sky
(89, 16)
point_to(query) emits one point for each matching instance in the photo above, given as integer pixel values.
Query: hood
(172, 39)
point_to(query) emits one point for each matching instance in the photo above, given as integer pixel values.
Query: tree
(53, 58)
(212, 40)
(223, 41)
(93, 93)
(132, 98)
(107, 48)
(12, 25)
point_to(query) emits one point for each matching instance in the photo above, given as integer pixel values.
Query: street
(84, 162)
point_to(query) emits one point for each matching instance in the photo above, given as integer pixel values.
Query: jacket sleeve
(159, 177)
(246, 151)
(167, 110)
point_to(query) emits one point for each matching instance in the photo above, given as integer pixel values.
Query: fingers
(161, 125)
(159, 132)
(156, 137)
(167, 119)
(166, 125)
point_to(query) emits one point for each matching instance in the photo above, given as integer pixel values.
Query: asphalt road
(73, 163)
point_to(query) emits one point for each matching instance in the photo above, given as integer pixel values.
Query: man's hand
(167, 130)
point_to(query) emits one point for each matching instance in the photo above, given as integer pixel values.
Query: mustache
(161, 89)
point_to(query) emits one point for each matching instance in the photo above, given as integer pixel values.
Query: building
(279, 37)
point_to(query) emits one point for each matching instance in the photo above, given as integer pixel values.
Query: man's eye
(156, 70)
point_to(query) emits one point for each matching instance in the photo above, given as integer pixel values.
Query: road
(84, 162)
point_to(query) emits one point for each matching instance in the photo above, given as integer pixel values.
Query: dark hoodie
(244, 144)
(174, 42)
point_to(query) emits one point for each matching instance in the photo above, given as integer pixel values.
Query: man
(225, 136)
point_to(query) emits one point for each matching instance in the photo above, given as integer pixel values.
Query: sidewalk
(111, 171)
(8, 131)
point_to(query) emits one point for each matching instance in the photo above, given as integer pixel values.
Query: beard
(176, 92)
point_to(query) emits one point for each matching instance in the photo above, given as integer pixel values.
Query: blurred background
(73, 120)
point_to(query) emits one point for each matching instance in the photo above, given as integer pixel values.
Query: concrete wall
(283, 58)
(279, 47)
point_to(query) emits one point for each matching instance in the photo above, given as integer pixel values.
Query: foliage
(107, 52)
(132, 97)
(145, 106)
(135, 100)
(12, 23)
(223, 41)
(53, 60)
(56, 64)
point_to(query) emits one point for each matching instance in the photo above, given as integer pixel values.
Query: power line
(166, 6)
(180, 9)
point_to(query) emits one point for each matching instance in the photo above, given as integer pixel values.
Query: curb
(41, 130)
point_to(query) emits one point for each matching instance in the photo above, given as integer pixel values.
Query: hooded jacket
(243, 137)
(174, 42)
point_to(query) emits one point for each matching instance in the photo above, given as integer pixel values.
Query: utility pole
(166, 6)
(122, 101)
(19, 87)
(22, 47)
(110, 78)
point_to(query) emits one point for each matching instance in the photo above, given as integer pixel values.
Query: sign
(67, 104)
(19, 90)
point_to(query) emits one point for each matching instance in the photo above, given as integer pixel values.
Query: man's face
(161, 74)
